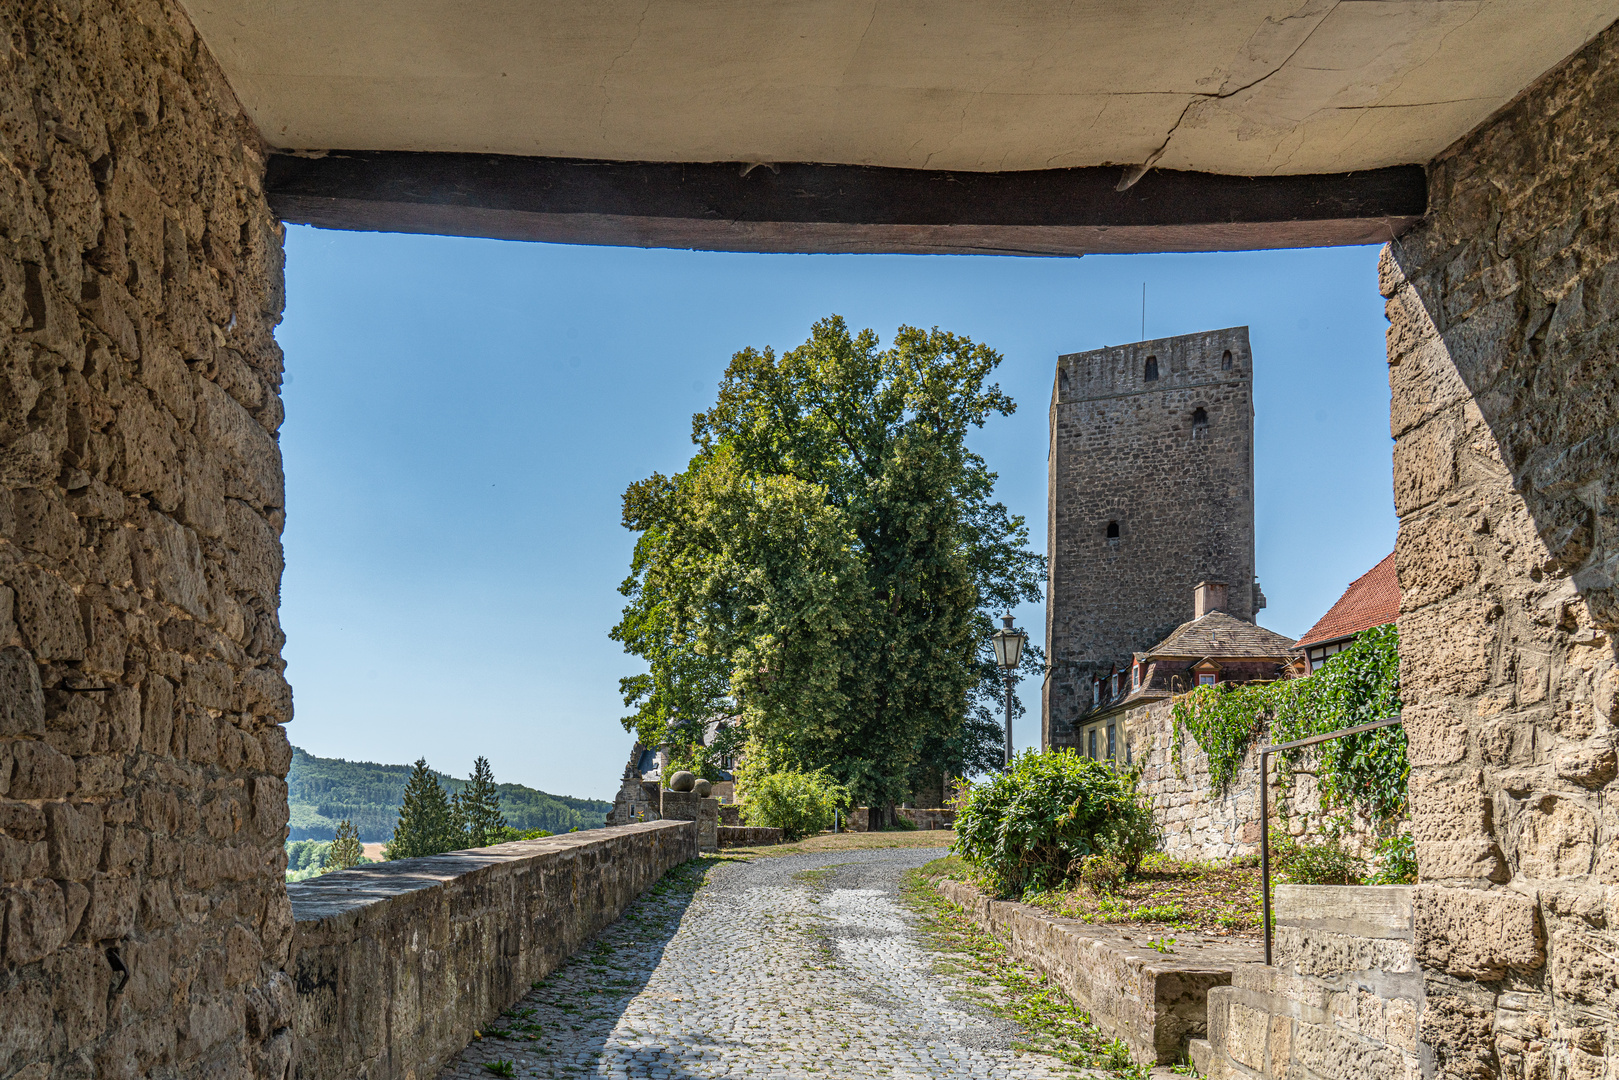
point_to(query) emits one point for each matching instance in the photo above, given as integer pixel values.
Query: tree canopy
(826, 565)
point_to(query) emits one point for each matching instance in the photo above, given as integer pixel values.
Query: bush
(797, 803)
(1028, 828)
(1396, 861)
(1326, 863)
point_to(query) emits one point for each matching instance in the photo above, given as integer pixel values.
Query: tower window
(1113, 526)
(1152, 369)
(1225, 360)
(1200, 423)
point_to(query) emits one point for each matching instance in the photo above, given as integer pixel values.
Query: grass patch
(1051, 1022)
(1219, 899)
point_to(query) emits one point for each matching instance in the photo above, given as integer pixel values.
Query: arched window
(1152, 369)
(1113, 530)
(1225, 360)
(1200, 423)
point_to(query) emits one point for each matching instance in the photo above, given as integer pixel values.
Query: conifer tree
(479, 806)
(346, 850)
(427, 824)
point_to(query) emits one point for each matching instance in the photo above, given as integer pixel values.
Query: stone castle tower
(1151, 490)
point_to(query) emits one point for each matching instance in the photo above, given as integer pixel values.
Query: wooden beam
(838, 208)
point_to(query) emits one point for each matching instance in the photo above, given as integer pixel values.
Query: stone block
(1368, 911)
(24, 1037)
(1556, 838)
(36, 921)
(40, 772)
(74, 834)
(111, 914)
(48, 615)
(22, 702)
(1477, 934)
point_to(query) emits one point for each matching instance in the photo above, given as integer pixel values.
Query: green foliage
(1323, 863)
(800, 804)
(324, 791)
(1396, 861)
(1357, 686)
(477, 807)
(825, 565)
(508, 834)
(1025, 829)
(345, 850)
(503, 1069)
(427, 822)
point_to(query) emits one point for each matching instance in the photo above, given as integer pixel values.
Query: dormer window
(1206, 678)
(1096, 692)
(1151, 374)
(1115, 692)
(1135, 677)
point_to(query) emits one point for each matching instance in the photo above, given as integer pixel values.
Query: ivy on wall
(1357, 686)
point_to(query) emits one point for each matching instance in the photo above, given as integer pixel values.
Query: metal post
(1009, 720)
(1264, 844)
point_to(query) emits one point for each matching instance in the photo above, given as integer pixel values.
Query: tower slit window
(1113, 530)
(1225, 360)
(1151, 374)
(1200, 423)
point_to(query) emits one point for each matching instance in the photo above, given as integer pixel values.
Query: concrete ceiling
(1237, 87)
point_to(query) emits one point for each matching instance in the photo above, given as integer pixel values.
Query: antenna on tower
(1143, 311)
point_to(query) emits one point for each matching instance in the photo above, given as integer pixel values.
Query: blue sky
(463, 415)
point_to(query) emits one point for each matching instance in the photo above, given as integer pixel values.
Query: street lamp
(1008, 644)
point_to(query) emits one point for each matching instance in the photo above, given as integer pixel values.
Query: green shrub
(1396, 861)
(798, 803)
(1028, 827)
(1326, 863)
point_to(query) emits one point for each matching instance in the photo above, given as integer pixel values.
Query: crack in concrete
(607, 72)
(1136, 172)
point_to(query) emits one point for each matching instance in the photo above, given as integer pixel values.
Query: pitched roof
(1373, 599)
(1219, 634)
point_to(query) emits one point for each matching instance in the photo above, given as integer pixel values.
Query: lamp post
(1008, 644)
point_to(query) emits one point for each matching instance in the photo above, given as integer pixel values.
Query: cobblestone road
(802, 965)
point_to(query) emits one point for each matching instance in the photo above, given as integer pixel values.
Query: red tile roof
(1372, 600)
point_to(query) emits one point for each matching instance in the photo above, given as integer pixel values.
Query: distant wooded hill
(323, 791)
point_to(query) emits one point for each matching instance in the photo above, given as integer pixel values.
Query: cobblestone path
(801, 965)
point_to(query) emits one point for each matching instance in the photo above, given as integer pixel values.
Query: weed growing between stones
(1052, 1023)
(501, 1068)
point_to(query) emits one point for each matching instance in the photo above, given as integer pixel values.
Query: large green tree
(826, 564)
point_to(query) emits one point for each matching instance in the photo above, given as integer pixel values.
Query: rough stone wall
(1341, 1002)
(1124, 449)
(1202, 823)
(1505, 387)
(145, 923)
(397, 964)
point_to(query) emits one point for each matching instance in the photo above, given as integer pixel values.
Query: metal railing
(1264, 804)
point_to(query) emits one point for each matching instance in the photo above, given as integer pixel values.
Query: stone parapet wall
(146, 922)
(1156, 1002)
(1503, 310)
(397, 964)
(1342, 1001)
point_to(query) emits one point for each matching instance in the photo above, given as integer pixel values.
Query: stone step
(1201, 1052)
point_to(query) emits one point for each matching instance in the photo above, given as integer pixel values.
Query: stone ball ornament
(703, 787)
(682, 781)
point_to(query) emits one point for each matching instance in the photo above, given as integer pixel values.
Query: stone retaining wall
(1342, 1001)
(1156, 1002)
(395, 965)
(924, 818)
(748, 836)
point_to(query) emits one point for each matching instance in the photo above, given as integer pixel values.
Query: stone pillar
(689, 806)
(708, 824)
(1503, 320)
(142, 799)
